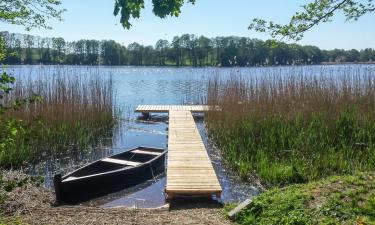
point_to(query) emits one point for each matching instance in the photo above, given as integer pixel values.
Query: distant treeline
(186, 50)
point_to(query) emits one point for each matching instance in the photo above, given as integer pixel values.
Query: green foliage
(11, 129)
(297, 150)
(275, 208)
(294, 129)
(72, 117)
(314, 13)
(27, 135)
(163, 8)
(9, 185)
(335, 200)
(184, 50)
(29, 13)
(132, 9)
(2, 49)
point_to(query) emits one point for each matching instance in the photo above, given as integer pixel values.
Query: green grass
(294, 129)
(297, 150)
(346, 199)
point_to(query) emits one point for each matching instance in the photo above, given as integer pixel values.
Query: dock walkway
(167, 108)
(189, 169)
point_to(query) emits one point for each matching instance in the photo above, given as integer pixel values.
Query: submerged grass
(75, 111)
(295, 128)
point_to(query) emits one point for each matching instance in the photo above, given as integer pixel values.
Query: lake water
(152, 85)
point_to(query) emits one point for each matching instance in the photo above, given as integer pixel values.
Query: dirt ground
(30, 204)
(87, 215)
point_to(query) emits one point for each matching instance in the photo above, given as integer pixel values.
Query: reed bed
(74, 113)
(297, 127)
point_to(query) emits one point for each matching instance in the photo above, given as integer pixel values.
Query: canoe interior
(95, 168)
(103, 167)
(136, 157)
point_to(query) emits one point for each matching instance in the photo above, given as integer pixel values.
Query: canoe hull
(78, 190)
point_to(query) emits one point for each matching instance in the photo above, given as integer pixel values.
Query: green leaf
(13, 131)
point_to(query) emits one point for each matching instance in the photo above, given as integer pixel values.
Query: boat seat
(146, 152)
(120, 161)
(70, 178)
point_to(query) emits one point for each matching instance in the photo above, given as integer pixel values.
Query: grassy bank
(73, 114)
(295, 128)
(346, 199)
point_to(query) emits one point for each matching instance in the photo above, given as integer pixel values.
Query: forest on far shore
(184, 50)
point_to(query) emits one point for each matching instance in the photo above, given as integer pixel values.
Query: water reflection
(138, 85)
(150, 195)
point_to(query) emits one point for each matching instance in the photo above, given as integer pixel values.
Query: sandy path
(88, 215)
(31, 204)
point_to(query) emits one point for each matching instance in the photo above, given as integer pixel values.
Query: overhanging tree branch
(132, 9)
(30, 13)
(314, 13)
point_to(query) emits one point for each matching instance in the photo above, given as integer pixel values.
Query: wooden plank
(167, 108)
(120, 161)
(189, 168)
(194, 191)
(146, 152)
(190, 171)
(71, 178)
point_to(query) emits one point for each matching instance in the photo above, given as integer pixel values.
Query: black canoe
(110, 174)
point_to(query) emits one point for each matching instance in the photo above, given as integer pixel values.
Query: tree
(132, 9)
(184, 50)
(204, 48)
(161, 46)
(28, 41)
(30, 13)
(313, 13)
(135, 54)
(58, 45)
(175, 52)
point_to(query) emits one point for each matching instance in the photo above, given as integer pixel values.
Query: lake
(154, 85)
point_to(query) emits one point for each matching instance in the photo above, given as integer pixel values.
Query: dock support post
(146, 115)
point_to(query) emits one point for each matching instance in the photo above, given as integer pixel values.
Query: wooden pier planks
(189, 169)
(167, 108)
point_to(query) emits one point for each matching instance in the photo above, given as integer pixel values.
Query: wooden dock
(189, 169)
(167, 108)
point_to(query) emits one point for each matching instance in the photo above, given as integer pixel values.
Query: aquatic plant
(73, 114)
(291, 128)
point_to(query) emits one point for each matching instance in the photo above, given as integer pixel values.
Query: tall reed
(73, 114)
(295, 128)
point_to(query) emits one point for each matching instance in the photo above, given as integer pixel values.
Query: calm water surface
(153, 85)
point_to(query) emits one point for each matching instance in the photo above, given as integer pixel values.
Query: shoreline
(193, 67)
(31, 203)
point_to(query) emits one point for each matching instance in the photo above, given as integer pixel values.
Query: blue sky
(93, 19)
